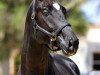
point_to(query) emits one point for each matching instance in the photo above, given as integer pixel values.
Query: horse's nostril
(76, 42)
(70, 44)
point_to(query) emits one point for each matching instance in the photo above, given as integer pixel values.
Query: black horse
(47, 29)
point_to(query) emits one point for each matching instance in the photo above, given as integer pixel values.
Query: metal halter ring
(53, 37)
(33, 16)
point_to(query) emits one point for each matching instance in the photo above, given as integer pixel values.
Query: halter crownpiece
(33, 9)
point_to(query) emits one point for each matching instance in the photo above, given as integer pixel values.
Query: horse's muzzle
(69, 47)
(72, 48)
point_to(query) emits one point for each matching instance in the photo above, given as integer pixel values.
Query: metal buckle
(53, 37)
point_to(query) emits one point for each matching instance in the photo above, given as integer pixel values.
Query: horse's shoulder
(65, 64)
(64, 59)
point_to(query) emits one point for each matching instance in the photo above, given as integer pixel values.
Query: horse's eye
(45, 12)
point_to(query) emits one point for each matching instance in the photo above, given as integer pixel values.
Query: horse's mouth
(69, 50)
(54, 47)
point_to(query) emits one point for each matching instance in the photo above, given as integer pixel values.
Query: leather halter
(53, 35)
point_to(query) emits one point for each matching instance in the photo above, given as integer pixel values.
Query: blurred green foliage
(12, 19)
(17, 62)
(75, 16)
(78, 22)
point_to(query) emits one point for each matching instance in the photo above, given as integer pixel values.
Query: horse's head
(51, 28)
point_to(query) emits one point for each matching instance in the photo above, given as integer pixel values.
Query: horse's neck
(34, 57)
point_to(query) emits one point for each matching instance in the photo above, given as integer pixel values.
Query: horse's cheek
(41, 38)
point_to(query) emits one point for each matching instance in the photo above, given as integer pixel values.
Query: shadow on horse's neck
(34, 55)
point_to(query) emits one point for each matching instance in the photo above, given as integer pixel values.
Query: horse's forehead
(56, 5)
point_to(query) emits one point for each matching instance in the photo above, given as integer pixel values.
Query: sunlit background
(83, 15)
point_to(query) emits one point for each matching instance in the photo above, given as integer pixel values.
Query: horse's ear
(64, 10)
